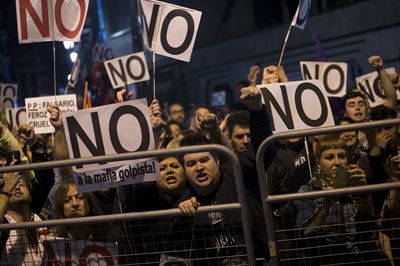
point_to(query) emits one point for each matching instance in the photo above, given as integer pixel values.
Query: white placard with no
(73, 252)
(37, 19)
(109, 130)
(370, 84)
(38, 116)
(127, 69)
(332, 74)
(169, 30)
(297, 105)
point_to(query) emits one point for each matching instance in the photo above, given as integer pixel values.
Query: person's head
(174, 128)
(172, 176)
(199, 112)
(330, 155)
(382, 112)
(238, 130)
(202, 169)
(70, 203)
(355, 106)
(176, 112)
(21, 193)
(349, 138)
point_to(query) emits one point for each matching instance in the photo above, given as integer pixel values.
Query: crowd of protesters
(349, 229)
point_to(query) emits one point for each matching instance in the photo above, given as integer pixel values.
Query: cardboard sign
(37, 114)
(300, 18)
(127, 69)
(101, 53)
(333, 75)
(16, 116)
(37, 19)
(62, 251)
(8, 96)
(297, 105)
(169, 30)
(107, 130)
(370, 84)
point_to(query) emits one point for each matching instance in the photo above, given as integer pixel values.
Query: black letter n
(75, 130)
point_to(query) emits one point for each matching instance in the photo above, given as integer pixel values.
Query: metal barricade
(274, 234)
(142, 244)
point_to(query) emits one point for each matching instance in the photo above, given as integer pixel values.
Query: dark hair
(195, 138)
(238, 118)
(351, 95)
(169, 107)
(382, 112)
(345, 119)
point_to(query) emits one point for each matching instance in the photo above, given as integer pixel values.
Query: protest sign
(297, 105)
(16, 116)
(62, 251)
(101, 53)
(36, 19)
(8, 95)
(108, 130)
(38, 116)
(332, 74)
(169, 30)
(370, 84)
(127, 69)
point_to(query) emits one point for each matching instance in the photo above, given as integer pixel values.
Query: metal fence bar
(222, 150)
(285, 197)
(115, 217)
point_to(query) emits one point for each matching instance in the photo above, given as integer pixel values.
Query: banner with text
(297, 105)
(38, 116)
(332, 74)
(371, 85)
(108, 130)
(8, 96)
(36, 20)
(127, 69)
(169, 30)
(62, 251)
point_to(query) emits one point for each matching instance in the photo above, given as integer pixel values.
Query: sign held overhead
(36, 19)
(169, 30)
(297, 105)
(127, 69)
(332, 74)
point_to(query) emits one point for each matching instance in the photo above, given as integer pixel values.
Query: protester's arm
(387, 86)
(8, 182)
(209, 124)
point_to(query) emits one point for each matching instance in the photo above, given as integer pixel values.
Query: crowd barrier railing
(224, 153)
(263, 178)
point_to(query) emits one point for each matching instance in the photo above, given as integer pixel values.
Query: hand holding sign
(251, 97)
(55, 117)
(123, 94)
(273, 74)
(376, 62)
(155, 115)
